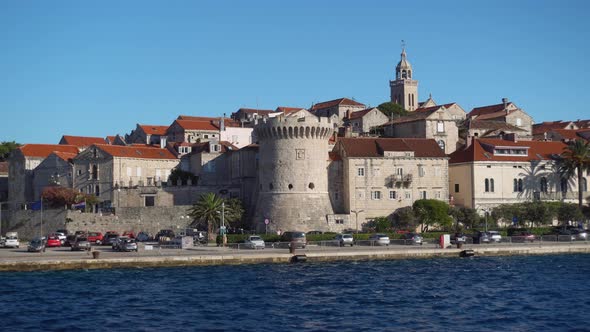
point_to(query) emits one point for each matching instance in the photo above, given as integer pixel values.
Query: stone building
(22, 163)
(3, 181)
(101, 169)
(506, 112)
(146, 134)
(490, 172)
(363, 122)
(435, 122)
(248, 117)
(292, 175)
(337, 108)
(192, 131)
(381, 175)
(55, 170)
(404, 89)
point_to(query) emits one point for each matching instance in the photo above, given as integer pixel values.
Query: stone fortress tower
(293, 175)
(404, 90)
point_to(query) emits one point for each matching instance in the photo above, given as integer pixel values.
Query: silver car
(80, 244)
(495, 236)
(379, 239)
(254, 242)
(345, 240)
(127, 245)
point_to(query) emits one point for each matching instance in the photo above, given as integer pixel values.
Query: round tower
(292, 174)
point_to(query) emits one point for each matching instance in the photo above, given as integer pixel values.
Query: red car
(53, 241)
(95, 237)
(129, 234)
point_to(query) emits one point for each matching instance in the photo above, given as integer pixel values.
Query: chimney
(163, 140)
(468, 141)
(505, 102)
(222, 123)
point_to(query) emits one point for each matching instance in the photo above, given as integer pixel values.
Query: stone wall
(148, 219)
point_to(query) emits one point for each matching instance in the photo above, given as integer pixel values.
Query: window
(487, 186)
(563, 185)
(94, 172)
(437, 195)
(360, 171)
(336, 195)
(79, 172)
(97, 190)
(423, 194)
(339, 221)
(150, 200)
(515, 185)
(138, 171)
(421, 171)
(584, 185)
(543, 184)
(456, 187)
(290, 186)
(518, 122)
(399, 171)
(408, 195)
(519, 185)
(491, 185)
(375, 195)
(129, 171)
(392, 194)
(440, 127)
(441, 144)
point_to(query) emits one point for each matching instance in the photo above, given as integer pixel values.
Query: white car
(379, 240)
(254, 242)
(495, 236)
(11, 240)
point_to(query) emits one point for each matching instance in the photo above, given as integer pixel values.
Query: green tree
(432, 212)
(573, 161)
(208, 210)
(392, 109)
(404, 218)
(569, 212)
(537, 213)
(466, 216)
(6, 148)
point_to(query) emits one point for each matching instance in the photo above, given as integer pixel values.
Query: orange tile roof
(488, 109)
(288, 110)
(494, 125)
(254, 110)
(205, 147)
(67, 156)
(359, 114)
(435, 107)
(483, 150)
(543, 127)
(140, 152)
(44, 150)
(196, 125)
(111, 139)
(154, 130)
(81, 141)
(336, 102)
(568, 134)
(374, 147)
(214, 121)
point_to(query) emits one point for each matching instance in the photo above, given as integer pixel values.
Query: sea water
(518, 293)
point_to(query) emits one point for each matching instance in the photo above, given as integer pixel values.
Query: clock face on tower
(300, 154)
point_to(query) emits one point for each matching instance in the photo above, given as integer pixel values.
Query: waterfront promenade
(64, 259)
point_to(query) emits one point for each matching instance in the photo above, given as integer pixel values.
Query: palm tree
(574, 160)
(208, 208)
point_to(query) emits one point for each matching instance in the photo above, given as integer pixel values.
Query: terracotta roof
(253, 110)
(3, 167)
(336, 102)
(67, 156)
(81, 141)
(374, 147)
(154, 130)
(252, 146)
(582, 123)
(288, 110)
(493, 125)
(435, 107)
(111, 139)
(488, 109)
(44, 150)
(214, 121)
(360, 114)
(196, 125)
(543, 127)
(568, 134)
(483, 150)
(140, 152)
(205, 147)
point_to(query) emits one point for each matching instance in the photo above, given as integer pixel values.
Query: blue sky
(99, 68)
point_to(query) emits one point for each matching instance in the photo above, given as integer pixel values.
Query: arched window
(409, 74)
(487, 185)
(520, 185)
(491, 185)
(543, 184)
(441, 143)
(94, 172)
(515, 185)
(563, 185)
(584, 185)
(404, 74)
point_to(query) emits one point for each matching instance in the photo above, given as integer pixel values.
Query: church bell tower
(404, 90)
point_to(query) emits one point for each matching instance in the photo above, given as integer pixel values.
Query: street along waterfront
(475, 294)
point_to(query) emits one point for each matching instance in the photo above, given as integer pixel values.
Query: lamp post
(222, 227)
(356, 215)
(487, 212)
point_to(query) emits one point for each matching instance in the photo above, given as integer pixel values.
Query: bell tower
(404, 90)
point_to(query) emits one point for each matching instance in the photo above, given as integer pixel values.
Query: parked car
(458, 238)
(36, 245)
(11, 240)
(62, 237)
(520, 235)
(129, 234)
(109, 238)
(413, 238)
(295, 239)
(495, 236)
(70, 239)
(126, 244)
(379, 239)
(118, 241)
(164, 235)
(65, 232)
(143, 237)
(53, 241)
(81, 244)
(254, 242)
(95, 237)
(581, 235)
(481, 237)
(345, 240)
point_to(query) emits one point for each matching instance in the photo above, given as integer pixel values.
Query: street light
(486, 212)
(356, 214)
(222, 228)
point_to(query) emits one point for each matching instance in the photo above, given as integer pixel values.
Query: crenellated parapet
(282, 127)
